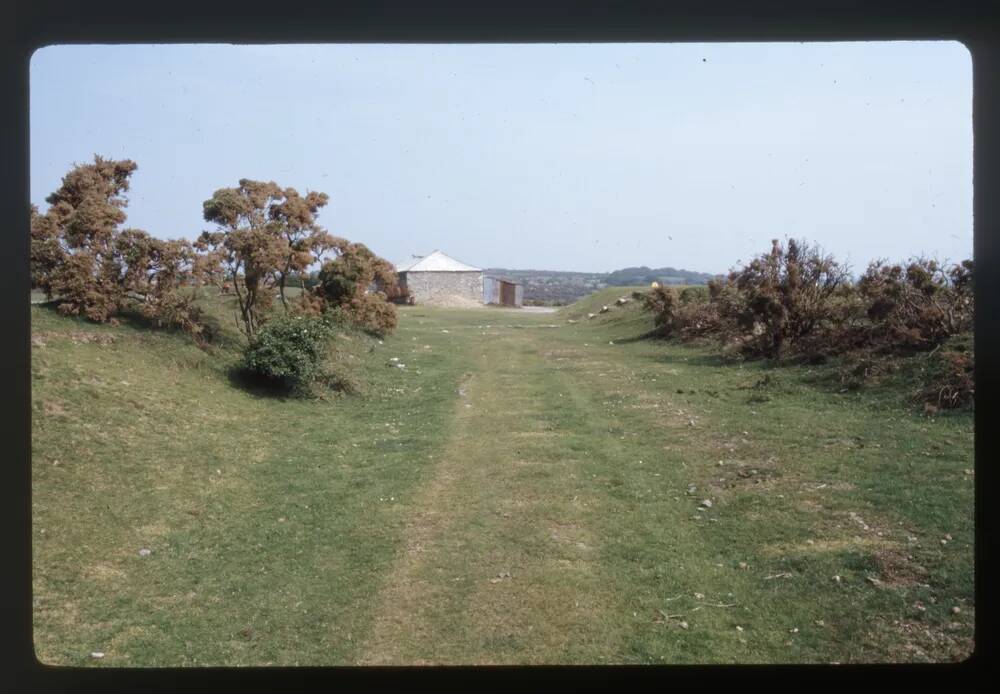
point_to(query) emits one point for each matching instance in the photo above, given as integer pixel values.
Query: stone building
(440, 280)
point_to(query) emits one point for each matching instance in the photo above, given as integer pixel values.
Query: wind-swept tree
(307, 241)
(81, 256)
(266, 234)
(73, 245)
(248, 245)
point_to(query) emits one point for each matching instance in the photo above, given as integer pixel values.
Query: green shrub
(289, 352)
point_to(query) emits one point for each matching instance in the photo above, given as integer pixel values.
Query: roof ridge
(439, 261)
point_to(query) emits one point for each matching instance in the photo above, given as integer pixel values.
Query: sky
(587, 157)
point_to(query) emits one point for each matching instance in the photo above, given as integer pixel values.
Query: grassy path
(500, 562)
(564, 522)
(525, 490)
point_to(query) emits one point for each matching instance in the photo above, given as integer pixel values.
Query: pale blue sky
(565, 157)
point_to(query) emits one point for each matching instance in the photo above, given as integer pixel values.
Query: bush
(916, 307)
(369, 312)
(353, 288)
(80, 255)
(289, 352)
(694, 295)
(798, 303)
(786, 297)
(662, 302)
(687, 314)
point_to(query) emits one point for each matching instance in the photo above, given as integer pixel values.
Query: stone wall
(445, 288)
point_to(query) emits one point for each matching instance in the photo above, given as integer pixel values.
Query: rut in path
(497, 564)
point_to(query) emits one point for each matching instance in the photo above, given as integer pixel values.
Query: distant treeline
(631, 276)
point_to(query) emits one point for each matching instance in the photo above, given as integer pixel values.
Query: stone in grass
(97, 655)
(707, 503)
(145, 552)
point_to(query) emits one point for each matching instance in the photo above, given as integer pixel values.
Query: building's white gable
(437, 262)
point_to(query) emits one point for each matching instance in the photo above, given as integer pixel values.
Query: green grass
(604, 297)
(518, 493)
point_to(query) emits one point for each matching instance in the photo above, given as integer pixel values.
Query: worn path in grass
(563, 521)
(500, 563)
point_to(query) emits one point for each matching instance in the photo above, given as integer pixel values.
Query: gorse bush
(799, 302)
(289, 352)
(785, 297)
(369, 312)
(917, 306)
(266, 239)
(352, 289)
(687, 313)
(81, 256)
(663, 303)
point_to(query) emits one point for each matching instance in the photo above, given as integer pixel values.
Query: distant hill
(557, 288)
(664, 275)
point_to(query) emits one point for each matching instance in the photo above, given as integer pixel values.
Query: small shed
(499, 291)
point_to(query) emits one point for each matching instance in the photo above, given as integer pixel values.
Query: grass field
(526, 490)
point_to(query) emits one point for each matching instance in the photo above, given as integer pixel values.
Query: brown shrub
(917, 306)
(74, 251)
(687, 314)
(97, 270)
(370, 312)
(47, 252)
(353, 287)
(783, 298)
